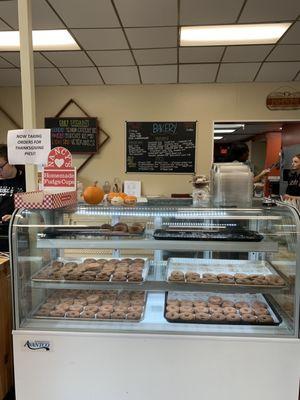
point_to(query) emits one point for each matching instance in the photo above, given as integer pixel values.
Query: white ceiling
(136, 42)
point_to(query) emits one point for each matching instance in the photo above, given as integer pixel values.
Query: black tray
(179, 321)
(51, 233)
(226, 235)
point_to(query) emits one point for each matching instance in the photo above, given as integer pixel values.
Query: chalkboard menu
(78, 135)
(160, 147)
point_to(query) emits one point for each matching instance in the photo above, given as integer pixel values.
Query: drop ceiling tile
(238, 72)
(251, 53)
(14, 58)
(285, 53)
(111, 57)
(101, 39)
(200, 54)
(156, 56)
(43, 16)
(83, 14)
(270, 11)
(48, 77)
(3, 25)
(197, 73)
(278, 71)
(11, 56)
(152, 37)
(5, 64)
(159, 74)
(140, 13)
(298, 77)
(40, 61)
(293, 35)
(204, 12)
(82, 76)
(120, 75)
(10, 77)
(68, 58)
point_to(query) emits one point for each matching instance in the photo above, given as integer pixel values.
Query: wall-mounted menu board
(78, 135)
(160, 147)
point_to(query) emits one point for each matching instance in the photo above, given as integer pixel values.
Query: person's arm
(261, 175)
(8, 171)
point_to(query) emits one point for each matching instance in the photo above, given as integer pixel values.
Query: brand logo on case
(37, 345)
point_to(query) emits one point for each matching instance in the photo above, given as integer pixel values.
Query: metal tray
(52, 233)
(227, 236)
(219, 266)
(89, 319)
(249, 298)
(35, 278)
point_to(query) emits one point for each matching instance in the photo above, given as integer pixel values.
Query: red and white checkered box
(43, 200)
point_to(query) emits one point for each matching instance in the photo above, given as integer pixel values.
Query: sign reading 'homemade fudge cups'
(78, 135)
(160, 147)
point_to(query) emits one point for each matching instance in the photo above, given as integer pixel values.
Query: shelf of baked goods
(179, 312)
(136, 274)
(149, 243)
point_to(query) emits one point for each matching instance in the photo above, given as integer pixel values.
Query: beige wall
(113, 105)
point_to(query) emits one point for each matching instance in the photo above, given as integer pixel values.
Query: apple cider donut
(202, 316)
(229, 310)
(218, 317)
(72, 314)
(215, 300)
(87, 314)
(246, 310)
(241, 304)
(186, 316)
(192, 277)
(265, 319)
(233, 317)
(227, 303)
(176, 276)
(248, 318)
(103, 315)
(134, 315)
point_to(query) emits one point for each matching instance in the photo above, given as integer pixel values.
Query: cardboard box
(44, 200)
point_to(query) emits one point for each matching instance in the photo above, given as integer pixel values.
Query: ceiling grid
(137, 42)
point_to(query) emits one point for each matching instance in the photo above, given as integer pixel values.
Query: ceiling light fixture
(238, 34)
(229, 126)
(224, 130)
(58, 39)
(218, 137)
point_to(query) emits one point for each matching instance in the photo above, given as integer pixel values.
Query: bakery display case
(166, 270)
(114, 298)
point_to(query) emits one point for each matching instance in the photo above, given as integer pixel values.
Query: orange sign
(285, 100)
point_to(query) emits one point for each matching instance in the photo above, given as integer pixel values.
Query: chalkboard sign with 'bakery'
(160, 147)
(78, 135)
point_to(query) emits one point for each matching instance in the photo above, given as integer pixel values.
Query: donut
(119, 276)
(186, 303)
(136, 309)
(92, 299)
(229, 310)
(246, 310)
(259, 304)
(92, 308)
(57, 264)
(120, 227)
(201, 309)
(233, 317)
(106, 227)
(218, 316)
(227, 303)
(172, 308)
(172, 315)
(95, 266)
(134, 315)
(186, 316)
(192, 277)
(62, 306)
(135, 277)
(215, 309)
(135, 268)
(89, 260)
(217, 300)
(118, 315)
(57, 313)
(202, 316)
(106, 308)
(87, 314)
(209, 279)
(241, 304)
(71, 265)
(103, 315)
(76, 307)
(248, 318)
(225, 278)
(186, 309)
(48, 306)
(274, 280)
(103, 276)
(200, 303)
(135, 229)
(176, 276)
(72, 314)
(43, 312)
(265, 319)
(81, 302)
(128, 260)
(139, 260)
(261, 311)
(240, 276)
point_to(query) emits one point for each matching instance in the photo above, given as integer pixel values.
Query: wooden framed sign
(160, 147)
(78, 135)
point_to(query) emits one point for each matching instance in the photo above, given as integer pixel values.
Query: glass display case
(166, 270)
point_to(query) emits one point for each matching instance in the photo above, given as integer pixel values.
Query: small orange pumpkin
(112, 195)
(93, 194)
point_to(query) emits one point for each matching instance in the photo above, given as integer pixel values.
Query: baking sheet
(202, 235)
(246, 297)
(89, 319)
(79, 260)
(219, 266)
(84, 231)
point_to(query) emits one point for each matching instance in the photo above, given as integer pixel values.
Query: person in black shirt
(293, 188)
(12, 180)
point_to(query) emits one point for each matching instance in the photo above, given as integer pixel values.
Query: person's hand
(264, 172)
(288, 197)
(6, 217)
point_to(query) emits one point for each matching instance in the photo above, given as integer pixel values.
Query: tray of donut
(209, 308)
(101, 305)
(103, 270)
(225, 272)
(119, 229)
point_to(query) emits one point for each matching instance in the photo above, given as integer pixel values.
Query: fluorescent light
(224, 130)
(59, 39)
(218, 137)
(220, 35)
(233, 126)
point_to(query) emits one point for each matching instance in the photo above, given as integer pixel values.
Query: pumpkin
(130, 200)
(111, 195)
(93, 194)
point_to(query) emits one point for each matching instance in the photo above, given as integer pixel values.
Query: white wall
(113, 105)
